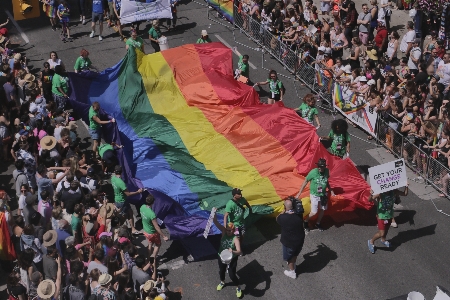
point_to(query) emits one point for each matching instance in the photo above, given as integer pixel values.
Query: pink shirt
(41, 134)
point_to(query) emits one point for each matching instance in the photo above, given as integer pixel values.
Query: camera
(297, 206)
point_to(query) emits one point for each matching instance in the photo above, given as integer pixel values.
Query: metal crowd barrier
(418, 159)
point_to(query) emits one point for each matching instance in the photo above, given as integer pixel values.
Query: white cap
(363, 78)
(371, 82)
(204, 33)
(321, 48)
(327, 50)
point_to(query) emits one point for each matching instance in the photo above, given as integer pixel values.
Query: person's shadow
(409, 235)
(316, 260)
(252, 275)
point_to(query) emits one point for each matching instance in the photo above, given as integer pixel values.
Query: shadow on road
(252, 275)
(316, 260)
(409, 235)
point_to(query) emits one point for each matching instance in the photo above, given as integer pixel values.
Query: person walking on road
(276, 87)
(204, 39)
(234, 212)
(154, 34)
(233, 243)
(292, 236)
(385, 213)
(318, 192)
(97, 15)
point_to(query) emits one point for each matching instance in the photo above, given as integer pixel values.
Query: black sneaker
(306, 225)
(319, 227)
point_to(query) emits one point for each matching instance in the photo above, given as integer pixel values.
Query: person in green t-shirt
(243, 67)
(385, 215)
(120, 194)
(318, 178)
(135, 41)
(234, 211)
(276, 87)
(78, 212)
(154, 34)
(308, 111)
(339, 137)
(152, 231)
(204, 39)
(83, 63)
(60, 86)
(232, 243)
(95, 125)
(108, 156)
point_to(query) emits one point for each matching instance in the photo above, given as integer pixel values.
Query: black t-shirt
(16, 290)
(70, 200)
(292, 231)
(421, 78)
(3, 80)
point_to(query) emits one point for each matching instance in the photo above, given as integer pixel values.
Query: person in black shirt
(292, 236)
(422, 77)
(71, 197)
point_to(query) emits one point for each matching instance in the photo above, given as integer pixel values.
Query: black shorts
(97, 17)
(109, 157)
(276, 97)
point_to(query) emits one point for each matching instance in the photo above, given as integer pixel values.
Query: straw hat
(149, 284)
(49, 238)
(372, 54)
(29, 77)
(204, 32)
(104, 279)
(109, 210)
(48, 142)
(46, 289)
(17, 56)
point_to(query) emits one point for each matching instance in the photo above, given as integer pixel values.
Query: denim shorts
(122, 207)
(289, 253)
(95, 134)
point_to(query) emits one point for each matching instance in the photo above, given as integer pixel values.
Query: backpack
(72, 293)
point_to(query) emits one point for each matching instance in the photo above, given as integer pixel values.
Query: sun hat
(31, 199)
(17, 56)
(104, 279)
(372, 54)
(148, 285)
(105, 234)
(70, 240)
(363, 78)
(48, 142)
(49, 238)
(29, 77)
(46, 289)
(109, 210)
(72, 125)
(204, 32)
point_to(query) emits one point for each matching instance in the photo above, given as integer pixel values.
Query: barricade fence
(418, 158)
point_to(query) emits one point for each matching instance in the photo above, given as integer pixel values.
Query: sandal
(370, 137)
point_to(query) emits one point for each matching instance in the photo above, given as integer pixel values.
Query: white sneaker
(100, 38)
(290, 273)
(92, 34)
(81, 19)
(394, 225)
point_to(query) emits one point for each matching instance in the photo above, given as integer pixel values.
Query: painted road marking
(11, 18)
(234, 51)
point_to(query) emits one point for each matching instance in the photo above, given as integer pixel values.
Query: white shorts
(315, 203)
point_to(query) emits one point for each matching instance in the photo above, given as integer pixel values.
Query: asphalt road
(334, 264)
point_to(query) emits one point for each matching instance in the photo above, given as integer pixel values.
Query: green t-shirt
(227, 242)
(119, 187)
(318, 181)
(62, 82)
(339, 144)
(155, 33)
(385, 208)
(137, 43)
(82, 63)
(103, 148)
(243, 67)
(92, 124)
(76, 224)
(235, 213)
(307, 112)
(275, 86)
(204, 41)
(147, 215)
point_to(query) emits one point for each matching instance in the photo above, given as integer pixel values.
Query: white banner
(355, 108)
(209, 223)
(133, 11)
(388, 176)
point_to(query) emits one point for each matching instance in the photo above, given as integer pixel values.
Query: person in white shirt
(414, 57)
(408, 39)
(54, 60)
(444, 74)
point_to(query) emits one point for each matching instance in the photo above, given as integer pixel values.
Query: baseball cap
(23, 132)
(321, 48)
(90, 171)
(236, 191)
(388, 68)
(436, 76)
(105, 234)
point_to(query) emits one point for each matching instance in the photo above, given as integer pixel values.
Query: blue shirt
(97, 6)
(61, 240)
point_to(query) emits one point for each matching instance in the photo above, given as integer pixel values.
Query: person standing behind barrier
(276, 87)
(154, 34)
(292, 236)
(231, 242)
(339, 137)
(318, 194)
(204, 39)
(385, 213)
(364, 22)
(308, 111)
(235, 210)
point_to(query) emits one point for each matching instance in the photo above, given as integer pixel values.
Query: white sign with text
(388, 176)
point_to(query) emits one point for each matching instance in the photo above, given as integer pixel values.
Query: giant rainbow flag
(192, 133)
(225, 7)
